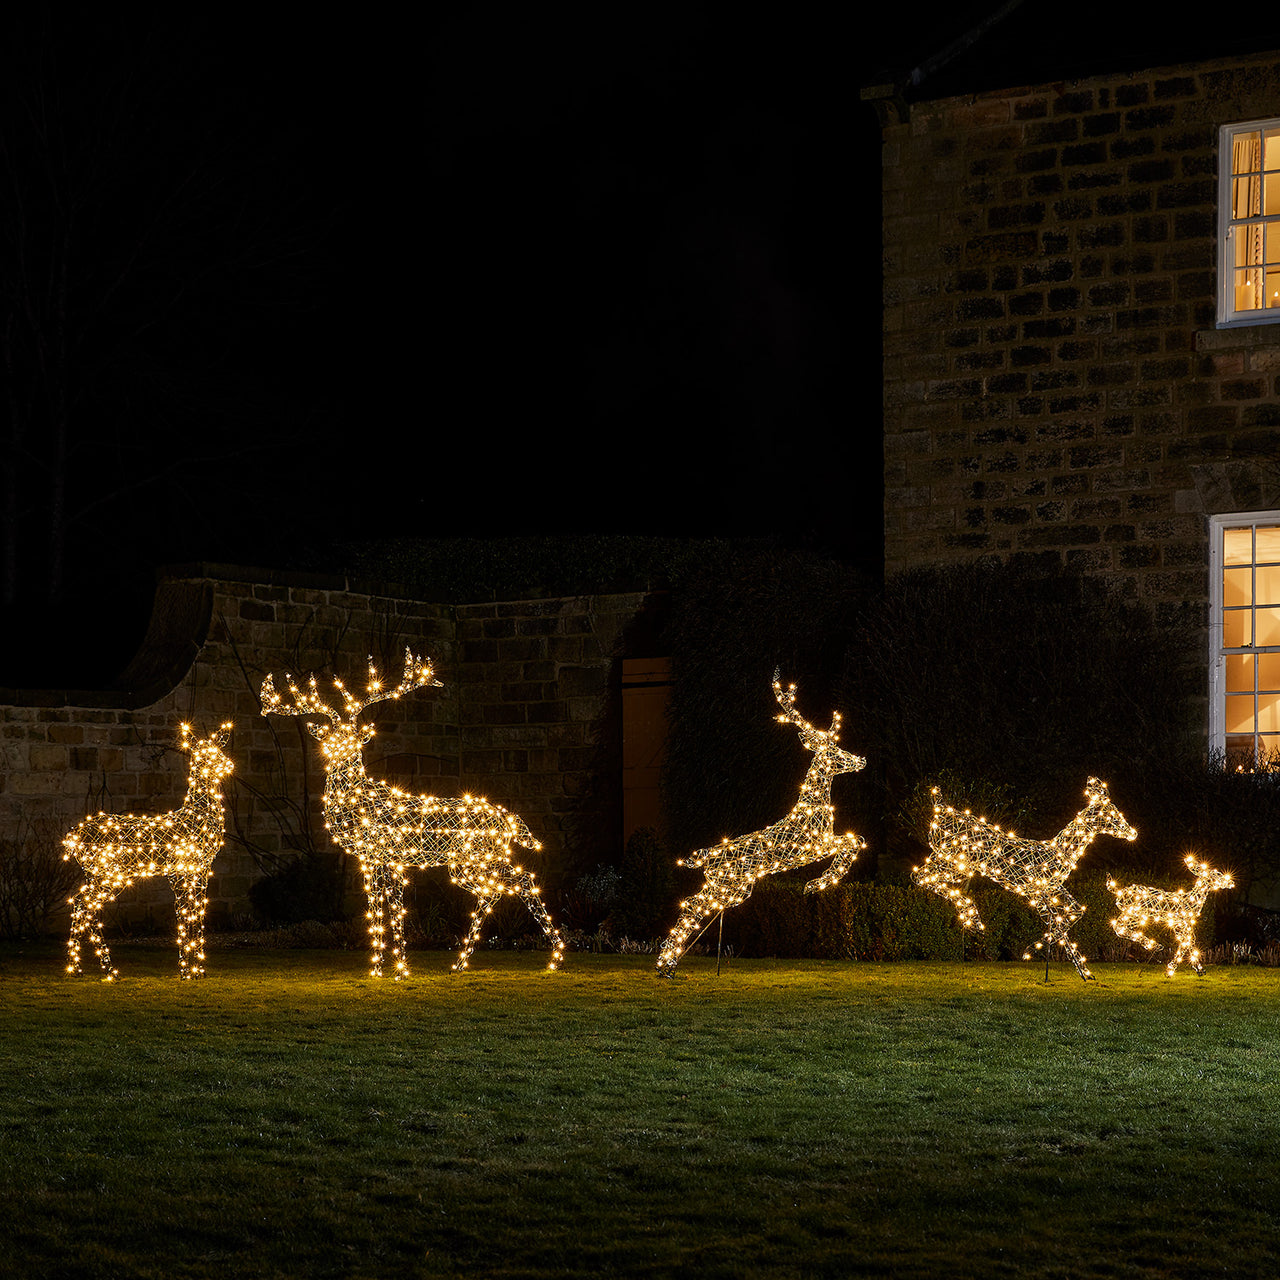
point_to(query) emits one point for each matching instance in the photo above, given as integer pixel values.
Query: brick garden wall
(527, 716)
(1054, 386)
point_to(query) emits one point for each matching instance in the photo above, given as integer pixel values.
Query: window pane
(1240, 753)
(1269, 713)
(1271, 194)
(1272, 235)
(1246, 151)
(1246, 198)
(1248, 291)
(1237, 628)
(1271, 156)
(1268, 672)
(1246, 247)
(1239, 672)
(1237, 546)
(1237, 587)
(1267, 540)
(1267, 627)
(1267, 584)
(1239, 714)
(1272, 298)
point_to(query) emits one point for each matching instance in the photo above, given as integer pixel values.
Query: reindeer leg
(484, 906)
(691, 916)
(1058, 918)
(713, 897)
(376, 915)
(79, 922)
(393, 883)
(524, 883)
(190, 904)
(850, 847)
(86, 920)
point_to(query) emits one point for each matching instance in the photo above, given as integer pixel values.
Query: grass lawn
(290, 1117)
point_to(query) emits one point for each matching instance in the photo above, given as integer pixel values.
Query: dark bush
(308, 888)
(648, 895)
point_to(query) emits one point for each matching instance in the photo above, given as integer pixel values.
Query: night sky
(272, 284)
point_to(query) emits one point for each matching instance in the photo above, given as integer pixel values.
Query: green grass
(289, 1116)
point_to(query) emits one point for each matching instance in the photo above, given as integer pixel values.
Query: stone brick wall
(1054, 385)
(527, 716)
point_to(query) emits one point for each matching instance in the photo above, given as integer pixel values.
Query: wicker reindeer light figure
(962, 846)
(390, 830)
(1141, 907)
(805, 835)
(116, 849)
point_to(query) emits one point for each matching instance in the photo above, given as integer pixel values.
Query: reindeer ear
(318, 731)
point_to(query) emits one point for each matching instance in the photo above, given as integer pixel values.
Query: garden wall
(528, 715)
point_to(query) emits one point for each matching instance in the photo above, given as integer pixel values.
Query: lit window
(1249, 223)
(1244, 714)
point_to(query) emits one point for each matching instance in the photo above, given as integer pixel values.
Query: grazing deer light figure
(390, 830)
(117, 849)
(1141, 907)
(962, 846)
(805, 835)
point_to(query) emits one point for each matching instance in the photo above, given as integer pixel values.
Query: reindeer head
(208, 760)
(822, 742)
(1102, 816)
(1207, 876)
(342, 738)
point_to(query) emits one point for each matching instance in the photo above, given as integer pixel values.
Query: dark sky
(277, 280)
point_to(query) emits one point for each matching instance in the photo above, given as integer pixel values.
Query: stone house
(1082, 343)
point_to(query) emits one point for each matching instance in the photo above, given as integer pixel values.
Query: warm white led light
(1142, 907)
(805, 835)
(390, 830)
(962, 846)
(116, 849)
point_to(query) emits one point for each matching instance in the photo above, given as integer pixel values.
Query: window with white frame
(1244, 715)
(1249, 223)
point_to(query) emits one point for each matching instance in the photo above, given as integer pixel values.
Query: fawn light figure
(805, 835)
(1141, 907)
(116, 849)
(390, 830)
(962, 846)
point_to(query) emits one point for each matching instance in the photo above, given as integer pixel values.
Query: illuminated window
(1244, 715)
(1249, 223)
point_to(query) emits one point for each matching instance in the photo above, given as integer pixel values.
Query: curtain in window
(1246, 202)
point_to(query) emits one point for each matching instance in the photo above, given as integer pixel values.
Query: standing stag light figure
(390, 830)
(1141, 907)
(117, 849)
(805, 835)
(962, 846)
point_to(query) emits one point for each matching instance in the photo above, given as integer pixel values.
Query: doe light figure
(806, 834)
(117, 849)
(962, 846)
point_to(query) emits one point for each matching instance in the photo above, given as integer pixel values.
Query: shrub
(647, 900)
(35, 881)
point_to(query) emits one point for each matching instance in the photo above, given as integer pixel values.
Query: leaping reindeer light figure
(390, 830)
(1141, 907)
(117, 849)
(805, 835)
(962, 846)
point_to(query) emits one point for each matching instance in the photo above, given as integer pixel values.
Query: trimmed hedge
(901, 922)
